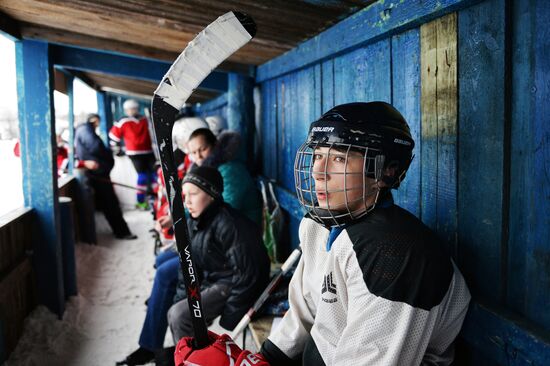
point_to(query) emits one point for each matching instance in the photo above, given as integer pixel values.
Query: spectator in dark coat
(98, 162)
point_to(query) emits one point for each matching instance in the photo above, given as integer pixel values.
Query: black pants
(107, 201)
(143, 163)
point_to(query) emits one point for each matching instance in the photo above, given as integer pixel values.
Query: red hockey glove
(221, 352)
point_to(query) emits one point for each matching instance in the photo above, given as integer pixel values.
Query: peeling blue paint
(38, 152)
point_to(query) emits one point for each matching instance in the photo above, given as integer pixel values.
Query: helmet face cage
(360, 191)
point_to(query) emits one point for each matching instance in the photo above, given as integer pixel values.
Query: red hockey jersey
(135, 132)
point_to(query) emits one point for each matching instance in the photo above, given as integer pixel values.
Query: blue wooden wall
(214, 107)
(480, 177)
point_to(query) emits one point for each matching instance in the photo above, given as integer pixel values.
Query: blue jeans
(162, 296)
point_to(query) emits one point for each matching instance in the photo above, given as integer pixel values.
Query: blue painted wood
(529, 245)
(299, 97)
(504, 338)
(70, 94)
(38, 155)
(363, 75)
(216, 106)
(240, 112)
(268, 129)
(125, 66)
(405, 65)
(428, 148)
(105, 116)
(283, 122)
(369, 25)
(481, 149)
(327, 86)
(447, 96)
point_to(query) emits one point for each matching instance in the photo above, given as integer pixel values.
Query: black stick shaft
(163, 120)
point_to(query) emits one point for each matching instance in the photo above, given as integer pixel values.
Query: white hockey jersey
(384, 293)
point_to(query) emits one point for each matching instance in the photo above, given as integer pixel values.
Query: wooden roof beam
(66, 37)
(125, 66)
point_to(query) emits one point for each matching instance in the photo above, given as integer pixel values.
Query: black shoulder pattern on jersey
(312, 356)
(401, 259)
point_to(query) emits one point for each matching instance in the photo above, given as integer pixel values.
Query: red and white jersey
(135, 132)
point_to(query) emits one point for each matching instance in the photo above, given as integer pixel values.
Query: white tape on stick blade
(212, 46)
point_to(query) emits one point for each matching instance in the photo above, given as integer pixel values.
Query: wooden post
(240, 112)
(70, 94)
(105, 115)
(38, 156)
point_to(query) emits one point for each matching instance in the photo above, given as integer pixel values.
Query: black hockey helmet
(376, 129)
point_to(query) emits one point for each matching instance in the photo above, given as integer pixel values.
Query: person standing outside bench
(133, 128)
(374, 285)
(98, 161)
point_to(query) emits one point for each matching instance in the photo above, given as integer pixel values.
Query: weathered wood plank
(446, 99)
(363, 75)
(481, 154)
(529, 245)
(327, 85)
(505, 338)
(240, 113)
(406, 98)
(428, 107)
(125, 66)
(366, 26)
(213, 104)
(268, 131)
(37, 127)
(63, 36)
(16, 302)
(169, 25)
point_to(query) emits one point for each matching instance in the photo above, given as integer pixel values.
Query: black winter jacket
(88, 146)
(227, 246)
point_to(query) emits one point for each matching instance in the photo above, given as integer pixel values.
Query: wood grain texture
(158, 28)
(378, 21)
(428, 107)
(405, 65)
(446, 99)
(529, 246)
(37, 131)
(481, 155)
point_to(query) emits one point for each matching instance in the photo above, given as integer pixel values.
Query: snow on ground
(102, 324)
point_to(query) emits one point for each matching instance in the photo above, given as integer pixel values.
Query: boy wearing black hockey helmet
(374, 285)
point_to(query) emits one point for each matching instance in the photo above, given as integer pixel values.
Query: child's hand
(163, 222)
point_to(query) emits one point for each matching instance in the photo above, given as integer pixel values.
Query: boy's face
(340, 183)
(198, 149)
(196, 200)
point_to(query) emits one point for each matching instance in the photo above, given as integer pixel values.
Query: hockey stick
(292, 258)
(105, 180)
(210, 47)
